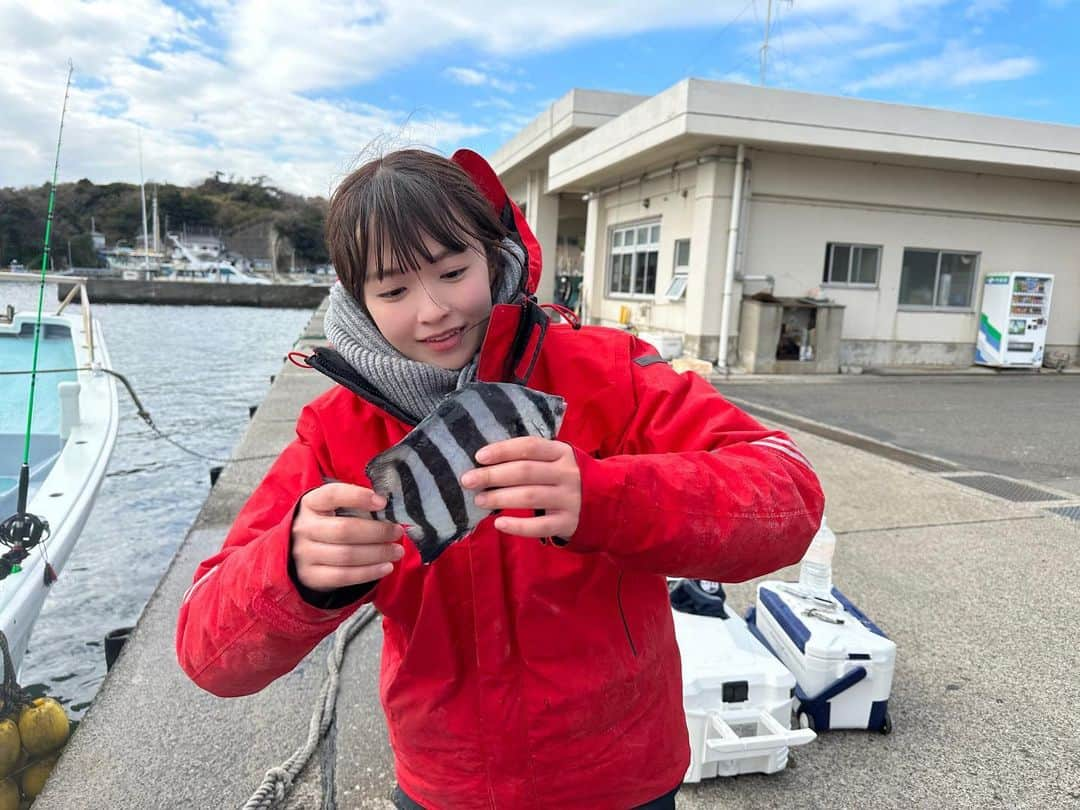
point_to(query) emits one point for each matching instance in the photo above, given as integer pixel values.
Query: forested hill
(217, 203)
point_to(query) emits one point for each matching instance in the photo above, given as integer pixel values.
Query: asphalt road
(1023, 427)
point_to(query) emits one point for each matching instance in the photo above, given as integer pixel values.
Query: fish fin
(380, 470)
(431, 548)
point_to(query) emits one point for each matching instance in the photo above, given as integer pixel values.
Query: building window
(677, 288)
(634, 252)
(852, 264)
(938, 279)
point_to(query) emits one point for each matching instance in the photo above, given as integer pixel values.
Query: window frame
(830, 250)
(680, 280)
(680, 275)
(971, 307)
(633, 251)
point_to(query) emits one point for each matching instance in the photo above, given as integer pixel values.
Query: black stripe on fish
(414, 508)
(463, 428)
(504, 411)
(449, 488)
(540, 400)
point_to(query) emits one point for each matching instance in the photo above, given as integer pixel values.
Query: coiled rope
(279, 780)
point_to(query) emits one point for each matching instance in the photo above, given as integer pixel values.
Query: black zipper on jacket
(333, 365)
(622, 615)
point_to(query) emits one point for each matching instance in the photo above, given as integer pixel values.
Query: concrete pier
(977, 592)
(119, 291)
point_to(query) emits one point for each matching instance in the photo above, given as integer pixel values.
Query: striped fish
(420, 475)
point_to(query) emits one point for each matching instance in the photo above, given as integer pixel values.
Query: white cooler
(843, 662)
(737, 696)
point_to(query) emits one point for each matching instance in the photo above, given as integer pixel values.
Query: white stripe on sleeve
(787, 447)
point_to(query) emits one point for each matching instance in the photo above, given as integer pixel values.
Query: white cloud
(735, 76)
(257, 88)
(990, 71)
(477, 78)
(466, 76)
(956, 66)
(981, 9)
(254, 88)
(201, 109)
(881, 49)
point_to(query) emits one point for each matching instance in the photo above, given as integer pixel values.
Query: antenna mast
(765, 45)
(765, 42)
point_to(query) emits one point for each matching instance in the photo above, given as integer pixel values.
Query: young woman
(515, 673)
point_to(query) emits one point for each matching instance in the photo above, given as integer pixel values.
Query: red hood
(489, 183)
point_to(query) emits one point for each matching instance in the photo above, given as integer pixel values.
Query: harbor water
(197, 370)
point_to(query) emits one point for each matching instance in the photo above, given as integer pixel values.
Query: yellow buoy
(9, 795)
(10, 746)
(33, 778)
(43, 726)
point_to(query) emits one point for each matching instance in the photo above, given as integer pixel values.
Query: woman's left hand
(529, 473)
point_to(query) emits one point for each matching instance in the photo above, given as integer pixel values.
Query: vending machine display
(1014, 318)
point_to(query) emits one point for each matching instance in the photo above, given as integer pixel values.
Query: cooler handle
(723, 743)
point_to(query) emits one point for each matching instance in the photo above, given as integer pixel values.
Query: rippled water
(197, 370)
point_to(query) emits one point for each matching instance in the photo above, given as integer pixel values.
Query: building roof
(694, 115)
(576, 113)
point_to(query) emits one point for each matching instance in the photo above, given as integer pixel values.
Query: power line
(714, 36)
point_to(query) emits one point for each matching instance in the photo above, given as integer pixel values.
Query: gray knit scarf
(414, 387)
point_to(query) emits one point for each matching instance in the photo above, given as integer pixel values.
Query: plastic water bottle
(815, 575)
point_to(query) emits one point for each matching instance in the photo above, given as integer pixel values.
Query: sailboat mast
(157, 227)
(142, 192)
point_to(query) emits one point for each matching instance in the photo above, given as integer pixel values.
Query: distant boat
(74, 429)
(125, 260)
(223, 273)
(16, 267)
(189, 266)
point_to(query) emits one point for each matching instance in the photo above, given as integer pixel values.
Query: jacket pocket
(622, 615)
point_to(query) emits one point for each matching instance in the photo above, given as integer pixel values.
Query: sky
(301, 92)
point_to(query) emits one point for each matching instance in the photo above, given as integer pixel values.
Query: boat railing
(78, 285)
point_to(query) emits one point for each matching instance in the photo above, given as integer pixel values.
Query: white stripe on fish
(420, 475)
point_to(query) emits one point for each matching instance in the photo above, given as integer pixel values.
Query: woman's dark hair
(393, 202)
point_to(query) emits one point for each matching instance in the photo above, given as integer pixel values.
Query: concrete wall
(255, 241)
(117, 291)
(800, 203)
(692, 203)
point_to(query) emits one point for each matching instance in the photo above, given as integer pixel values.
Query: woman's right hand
(336, 544)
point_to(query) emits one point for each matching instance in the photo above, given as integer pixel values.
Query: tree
(304, 228)
(82, 251)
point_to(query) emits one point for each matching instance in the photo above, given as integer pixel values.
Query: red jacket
(517, 674)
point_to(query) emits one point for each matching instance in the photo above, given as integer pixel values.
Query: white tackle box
(737, 696)
(843, 663)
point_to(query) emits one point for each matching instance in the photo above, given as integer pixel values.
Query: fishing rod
(23, 531)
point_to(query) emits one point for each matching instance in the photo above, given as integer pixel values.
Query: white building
(896, 212)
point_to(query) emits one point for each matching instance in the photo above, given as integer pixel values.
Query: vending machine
(1015, 315)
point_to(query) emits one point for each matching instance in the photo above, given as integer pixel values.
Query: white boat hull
(67, 493)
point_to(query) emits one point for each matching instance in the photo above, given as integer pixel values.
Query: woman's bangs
(415, 209)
